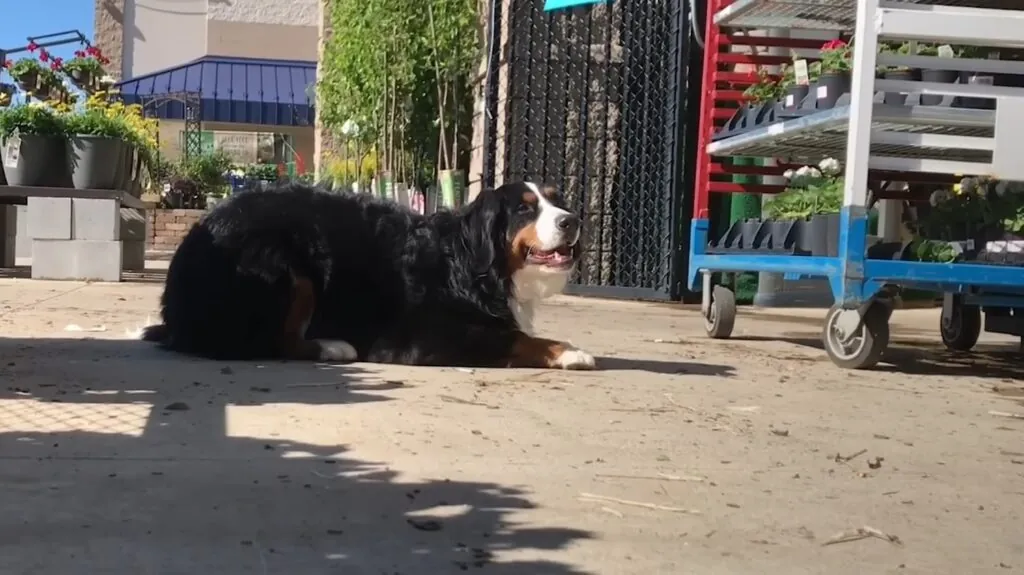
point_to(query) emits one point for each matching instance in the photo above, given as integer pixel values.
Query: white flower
(830, 166)
(968, 185)
(107, 80)
(939, 196)
(788, 174)
(1002, 187)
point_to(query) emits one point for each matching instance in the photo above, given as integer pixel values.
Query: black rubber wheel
(860, 350)
(961, 329)
(721, 317)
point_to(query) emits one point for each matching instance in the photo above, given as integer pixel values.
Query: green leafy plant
(836, 57)
(96, 123)
(205, 172)
(31, 119)
(812, 190)
(902, 49)
(767, 89)
(926, 250)
(25, 69)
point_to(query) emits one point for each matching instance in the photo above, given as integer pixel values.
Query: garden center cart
(885, 132)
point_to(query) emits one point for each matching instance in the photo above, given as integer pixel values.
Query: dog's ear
(483, 232)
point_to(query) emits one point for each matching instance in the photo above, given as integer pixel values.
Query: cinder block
(49, 218)
(133, 255)
(76, 260)
(133, 224)
(95, 219)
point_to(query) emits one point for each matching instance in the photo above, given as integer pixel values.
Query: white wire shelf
(818, 14)
(816, 136)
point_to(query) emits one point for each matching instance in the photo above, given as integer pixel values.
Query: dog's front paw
(336, 350)
(573, 358)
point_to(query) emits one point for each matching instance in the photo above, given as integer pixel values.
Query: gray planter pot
(93, 162)
(36, 157)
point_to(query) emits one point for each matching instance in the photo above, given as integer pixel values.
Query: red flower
(44, 56)
(55, 66)
(833, 45)
(58, 62)
(8, 64)
(92, 50)
(79, 54)
(104, 60)
(32, 46)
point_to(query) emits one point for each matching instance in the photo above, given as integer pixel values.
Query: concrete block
(49, 218)
(95, 219)
(76, 260)
(133, 224)
(133, 255)
(23, 243)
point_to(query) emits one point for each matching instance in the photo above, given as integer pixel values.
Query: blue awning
(238, 90)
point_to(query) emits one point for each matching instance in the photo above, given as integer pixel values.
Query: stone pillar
(108, 34)
(324, 144)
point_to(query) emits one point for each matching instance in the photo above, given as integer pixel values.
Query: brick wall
(166, 228)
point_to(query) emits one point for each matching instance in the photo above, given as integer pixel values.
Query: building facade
(248, 67)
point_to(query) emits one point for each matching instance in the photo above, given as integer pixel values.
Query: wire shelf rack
(811, 136)
(818, 14)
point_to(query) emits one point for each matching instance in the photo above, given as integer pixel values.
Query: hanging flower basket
(86, 68)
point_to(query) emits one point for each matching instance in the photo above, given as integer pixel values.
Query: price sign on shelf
(12, 150)
(801, 75)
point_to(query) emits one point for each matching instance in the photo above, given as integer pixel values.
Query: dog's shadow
(665, 367)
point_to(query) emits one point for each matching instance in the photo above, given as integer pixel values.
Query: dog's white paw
(336, 350)
(573, 358)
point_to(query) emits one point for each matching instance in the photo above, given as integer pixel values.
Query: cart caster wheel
(961, 326)
(863, 347)
(721, 317)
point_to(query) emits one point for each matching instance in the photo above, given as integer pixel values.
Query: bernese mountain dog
(309, 274)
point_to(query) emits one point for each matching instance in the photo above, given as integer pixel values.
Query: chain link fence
(593, 100)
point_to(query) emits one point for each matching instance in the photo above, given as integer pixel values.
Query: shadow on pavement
(120, 458)
(989, 361)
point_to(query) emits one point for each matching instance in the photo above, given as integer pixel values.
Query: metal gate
(594, 99)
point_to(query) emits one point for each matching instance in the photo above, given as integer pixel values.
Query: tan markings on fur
(294, 344)
(529, 198)
(549, 192)
(530, 351)
(520, 247)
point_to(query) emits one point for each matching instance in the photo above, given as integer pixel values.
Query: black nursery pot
(794, 96)
(829, 87)
(748, 232)
(939, 77)
(897, 98)
(976, 103)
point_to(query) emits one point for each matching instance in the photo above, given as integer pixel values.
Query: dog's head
(524, 232)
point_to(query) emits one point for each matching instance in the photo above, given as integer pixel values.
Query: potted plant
(86, 68)
(793, 94)
(935, 75)
(897, 72)
(812, 200)
(33, 142)
(50, 87)
(834, 80)
(763, 94)
(26, 72)
(95, 150)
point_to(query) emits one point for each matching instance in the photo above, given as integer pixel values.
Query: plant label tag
(790, 100)
(800, 74)
(12, 150)
(822, 92)
(946, 51)
(982, 80)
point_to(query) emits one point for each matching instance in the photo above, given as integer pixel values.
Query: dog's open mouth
(560, 257)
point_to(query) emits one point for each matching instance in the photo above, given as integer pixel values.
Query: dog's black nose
(568, 223)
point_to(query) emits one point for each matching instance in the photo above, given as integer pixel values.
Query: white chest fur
(530, 285)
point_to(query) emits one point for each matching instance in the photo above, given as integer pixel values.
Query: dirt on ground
(682, 455)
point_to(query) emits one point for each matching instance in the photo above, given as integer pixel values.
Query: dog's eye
(525, 208)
